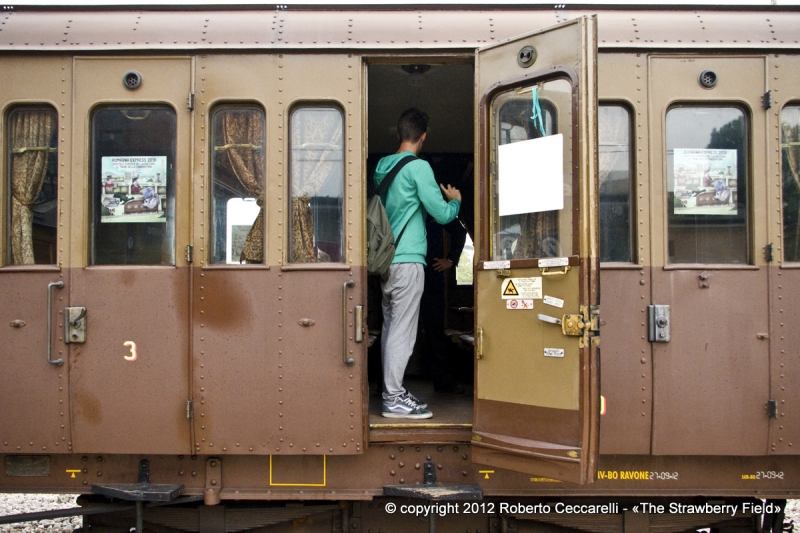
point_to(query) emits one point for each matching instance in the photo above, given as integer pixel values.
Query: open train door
(536, 279)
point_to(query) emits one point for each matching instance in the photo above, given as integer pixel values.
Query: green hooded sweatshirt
(413, 193)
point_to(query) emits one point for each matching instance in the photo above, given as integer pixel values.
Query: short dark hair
(412, 124)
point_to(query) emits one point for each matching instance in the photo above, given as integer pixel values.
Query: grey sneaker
(420, 403)
(404, 407)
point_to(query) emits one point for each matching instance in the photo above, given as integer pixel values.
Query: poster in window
(705, 181)
(133, 189)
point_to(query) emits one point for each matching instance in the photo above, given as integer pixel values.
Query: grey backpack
(381, 243)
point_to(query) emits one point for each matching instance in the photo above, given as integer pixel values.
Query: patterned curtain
(30, 134)
(791, 185)
(612, 134)
(302, 231)
(243, 134)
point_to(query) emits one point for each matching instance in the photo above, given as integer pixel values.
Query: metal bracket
(75, 325)
(772, 409)
(585, 325)
(658, 323)
(213, 481)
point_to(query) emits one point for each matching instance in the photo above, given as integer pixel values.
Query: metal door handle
(349, 361)
(60, 285)
(549, 319)
(546, 271)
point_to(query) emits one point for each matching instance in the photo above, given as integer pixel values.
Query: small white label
(554, 352)
(496, 265)
(555, 302)
(519, 304)
(521, 288)
(554, 262)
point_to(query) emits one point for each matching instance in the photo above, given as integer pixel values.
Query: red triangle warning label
(511, 290)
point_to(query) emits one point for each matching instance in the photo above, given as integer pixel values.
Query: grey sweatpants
(402, 292)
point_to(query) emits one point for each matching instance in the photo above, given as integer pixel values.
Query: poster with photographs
(133, 189)
(705, 181)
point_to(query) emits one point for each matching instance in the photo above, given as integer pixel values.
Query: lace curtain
(30, 132)
(316, 171)
(243, 133)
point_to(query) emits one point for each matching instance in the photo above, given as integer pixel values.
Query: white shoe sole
(388, 414)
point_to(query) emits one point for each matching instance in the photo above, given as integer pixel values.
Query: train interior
(440, 371)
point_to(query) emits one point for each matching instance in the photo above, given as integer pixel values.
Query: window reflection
(790, 148)
(317, 185)
(538, 234)
(614, 130)
(32, 185)
(707, 184)
(133, 185)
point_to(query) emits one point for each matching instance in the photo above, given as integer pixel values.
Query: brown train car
(187, 319)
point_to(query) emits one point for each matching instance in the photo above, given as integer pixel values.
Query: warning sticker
(521, 289)
(519, 304)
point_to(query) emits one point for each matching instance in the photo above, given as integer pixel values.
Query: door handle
(60, 285)
(549, 319)
(349, 361)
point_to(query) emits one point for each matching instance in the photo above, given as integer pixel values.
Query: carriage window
(316, 177)
(238, 152)
(525, 231)
(614, 130)
(707, 184)
(790, 147)
(133, 185)
(32, 185)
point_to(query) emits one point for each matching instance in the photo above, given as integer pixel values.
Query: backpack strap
(380, 189)
(388, 181)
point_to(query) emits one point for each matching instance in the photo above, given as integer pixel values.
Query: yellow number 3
(133, 355)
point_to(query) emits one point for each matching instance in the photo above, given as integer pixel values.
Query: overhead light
(415, 73)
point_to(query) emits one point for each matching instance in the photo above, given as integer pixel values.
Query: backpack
(381, 243)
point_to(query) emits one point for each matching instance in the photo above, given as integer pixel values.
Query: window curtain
(30, 134)
(243, 134)
(316, 171)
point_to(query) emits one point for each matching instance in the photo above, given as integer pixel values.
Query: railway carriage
(189, 324)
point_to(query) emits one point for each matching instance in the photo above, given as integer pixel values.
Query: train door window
(533, 234)
(32, 185)
(790, 147)
(316, 179)
(614, 131)
(237, 175)
(707, 168)
(132, 185)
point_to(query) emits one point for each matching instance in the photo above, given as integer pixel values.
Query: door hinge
(189, 409)
(190, 101)
(769, 253)
(189, 253)
(767, 100)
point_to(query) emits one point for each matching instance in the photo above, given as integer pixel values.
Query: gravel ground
(29, 503)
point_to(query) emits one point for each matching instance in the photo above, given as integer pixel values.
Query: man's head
(412, 125)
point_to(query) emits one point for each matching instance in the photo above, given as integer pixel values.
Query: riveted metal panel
(34, 395)
(37, 29)
(712, 379)
(274, 331)
(783, 77)
(138, 404)
(626, 365)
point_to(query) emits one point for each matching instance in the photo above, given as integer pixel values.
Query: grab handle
(60, 285)
(349, 361)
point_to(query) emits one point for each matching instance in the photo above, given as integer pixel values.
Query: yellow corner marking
(324, 476)
(573, 454)
(486, 473)
(511, 290)
(602, 405)
(73, 472)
